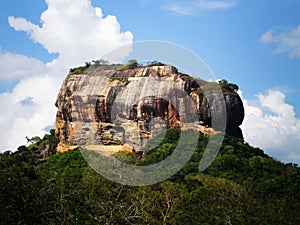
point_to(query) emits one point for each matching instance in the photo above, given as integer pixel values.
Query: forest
(243, 185)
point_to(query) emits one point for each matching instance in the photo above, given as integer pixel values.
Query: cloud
(14, 66)
(202, 4)
(288, 41)
(27, 110)
(27, 101)
(77, 32)
(271, 124)
(267, 37)
(196, 6)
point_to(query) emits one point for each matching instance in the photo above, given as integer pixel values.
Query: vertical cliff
(122, 109)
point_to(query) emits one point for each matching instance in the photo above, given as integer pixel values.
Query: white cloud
(267, 37)
(75, 30)
(27, 110)
(271, 124)
(203, 4)
(288, 41)
(196, 6)
(14, 66)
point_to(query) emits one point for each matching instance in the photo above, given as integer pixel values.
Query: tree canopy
(243, 185)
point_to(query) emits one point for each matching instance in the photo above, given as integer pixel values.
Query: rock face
(122, 109)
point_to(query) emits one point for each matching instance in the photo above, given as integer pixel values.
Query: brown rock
(116, 108)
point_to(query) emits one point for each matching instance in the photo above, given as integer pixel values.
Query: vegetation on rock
(101, 63)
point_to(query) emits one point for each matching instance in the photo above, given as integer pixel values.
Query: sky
(255, 44)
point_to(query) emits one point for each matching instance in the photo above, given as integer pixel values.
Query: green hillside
(242, 186)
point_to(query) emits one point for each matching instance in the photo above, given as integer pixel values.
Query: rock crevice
(126, 108)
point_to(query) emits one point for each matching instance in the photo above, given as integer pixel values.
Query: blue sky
(255, 44)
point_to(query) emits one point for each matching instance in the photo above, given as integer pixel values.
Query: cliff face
(121, 110)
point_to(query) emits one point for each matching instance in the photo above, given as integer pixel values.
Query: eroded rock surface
(123, 109)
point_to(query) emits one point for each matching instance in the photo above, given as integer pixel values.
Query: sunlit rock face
(118, 110)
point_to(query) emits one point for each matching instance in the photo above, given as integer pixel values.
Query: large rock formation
(122, 109)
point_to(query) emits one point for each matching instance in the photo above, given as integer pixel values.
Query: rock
(105, 106)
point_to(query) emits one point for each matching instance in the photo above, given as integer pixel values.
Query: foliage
(41, 148)
(131, 64)
(242, 186)
(156, 63)
(80, 69)
(228, 86)
(99, 63)
(104, 64)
